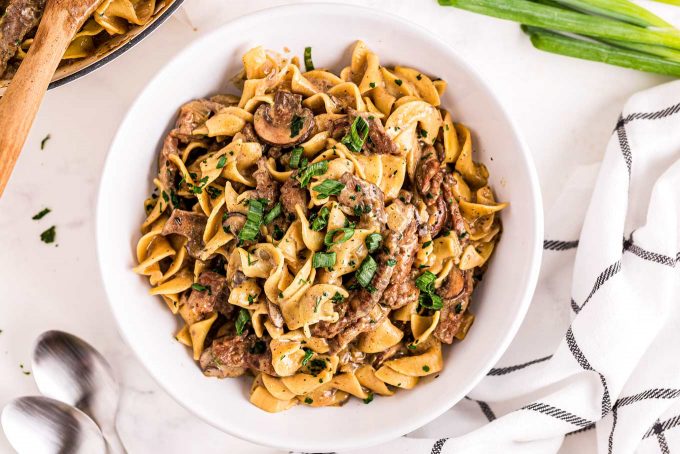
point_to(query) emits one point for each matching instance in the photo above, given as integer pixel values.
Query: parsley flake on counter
(44, 141)
(41, 215)
(49, 235)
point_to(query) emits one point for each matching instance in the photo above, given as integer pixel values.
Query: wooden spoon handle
(21, 100)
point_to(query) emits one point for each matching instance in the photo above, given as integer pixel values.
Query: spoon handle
(22, 98)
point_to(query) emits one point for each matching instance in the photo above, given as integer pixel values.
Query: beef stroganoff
(321, 232)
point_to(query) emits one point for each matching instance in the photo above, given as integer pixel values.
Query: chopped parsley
(308, 355)
(309, 400)
(398, 82)
(222, 161)
(369, 399)
(372, 85)
(49, 235)
(426, 368)
(391, 262)
(44, 141)
(41, 214)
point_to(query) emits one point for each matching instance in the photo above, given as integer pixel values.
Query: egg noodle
(323, 232)
(112, 17)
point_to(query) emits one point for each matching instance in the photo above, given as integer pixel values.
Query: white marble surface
(565, 109)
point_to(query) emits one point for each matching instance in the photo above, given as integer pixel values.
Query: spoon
(39, 425)
(60, 22)
(69, 369)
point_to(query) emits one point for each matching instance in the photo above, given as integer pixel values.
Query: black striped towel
(596, 364)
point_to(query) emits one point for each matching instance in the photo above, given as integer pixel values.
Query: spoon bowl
(69, 369)
(40, 425)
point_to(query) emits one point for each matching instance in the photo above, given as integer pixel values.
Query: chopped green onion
(328, 187)
(241, 320)
(366, 271)
(312, 170)
(251, 229)
(539, 15)
(295, 156)
(309, 65)
(428, 298)
(355, 138)
(320, 221)
(430, 301)
(600, 52)
(329, 240)
(391, 262)
(622, 10)
(425, 281)
(373, 241)
(199, 287)
(273, 214)
(308, 355)
(323, 259)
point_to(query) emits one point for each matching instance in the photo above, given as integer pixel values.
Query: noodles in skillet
(322, 232)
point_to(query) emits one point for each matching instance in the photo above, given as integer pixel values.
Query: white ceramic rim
(535, 251)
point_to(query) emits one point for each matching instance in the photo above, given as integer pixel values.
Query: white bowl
(204, 68)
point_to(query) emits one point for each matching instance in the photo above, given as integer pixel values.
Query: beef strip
(394, 352)
(266, 186)
(167, 172)
(362, 325)
(247, 134)
(402, 289)
(456, 221)
(355, 314)
(363, 199)
(189, 225)
(213, 298)
(292, 194)
(19, 18)
(438, 216)
(429, 176)
(328, 329)
(192, 115)
(232, 355)
(455, 292)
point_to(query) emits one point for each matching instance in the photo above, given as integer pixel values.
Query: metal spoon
(39, 425)
(69, 369)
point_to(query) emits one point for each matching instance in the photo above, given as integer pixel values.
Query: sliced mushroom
(286, 122)
(234, 222)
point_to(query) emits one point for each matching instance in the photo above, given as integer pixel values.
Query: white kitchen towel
(598, 355)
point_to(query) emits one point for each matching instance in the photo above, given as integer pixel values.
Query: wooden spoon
(60, 22)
